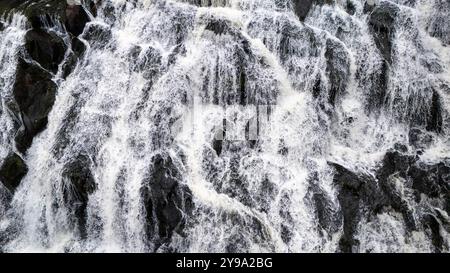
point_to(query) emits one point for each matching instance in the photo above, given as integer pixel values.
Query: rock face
(356, 192)
(338, 69)
(79, 184)
(34, 92)
(97, 35)
(382, 24)
(167, 201)
(361, 196)
(45, 48)
(302, 7)
(439, 25)
(73, 17)
(12, 171)
(76, 19)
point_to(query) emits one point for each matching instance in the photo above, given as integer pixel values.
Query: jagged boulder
(302, 7)
(382, 25)
(434, 118)
(70, 14)
(361, 196)
(46, 48)
(439, 25)
(77, 50)
(358, 194)
(79, 183)
(338, 69)
(35, 93)
(329, 217)
(12, 170)
(166, 200)
(76, 19)
(147, 60)
(98, 35)
(430, 186)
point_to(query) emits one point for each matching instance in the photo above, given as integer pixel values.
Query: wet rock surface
(34, 92)
(381, 22)
(333, 90)
(79, 183)
(45, 48)
(361, 196)
(167, 202)
(12, 170)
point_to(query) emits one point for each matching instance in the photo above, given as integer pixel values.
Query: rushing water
(163, 83)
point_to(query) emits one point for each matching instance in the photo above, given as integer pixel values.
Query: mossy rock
(12, 171)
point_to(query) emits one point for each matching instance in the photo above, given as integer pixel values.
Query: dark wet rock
(434, 121)
(219, 27)
(429, 181)
(420, 139)
(206, 3)
(79, 183)
(439, 25)
(433, 65)
(150, 62)
(338, 69)
(12, 170)
(302, 7)
(98, 35)
(34, 92)
(329, 217)
(428, 116)
(76, 19)
(69, 65)
(167, 201)
(2, 26)
(356, 191)
(379, 79)
(350, 7)
(46, 48)
(433, 225)
(42, 12)
(78, 49)
(382, 25)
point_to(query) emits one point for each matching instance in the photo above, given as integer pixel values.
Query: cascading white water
(160, 77)
(11, 38)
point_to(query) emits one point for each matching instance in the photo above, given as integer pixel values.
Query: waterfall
(235, 126)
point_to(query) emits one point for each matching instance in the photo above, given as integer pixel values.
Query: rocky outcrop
(439, 25)
(34, 91)
(98, 35)
(357, 193)
(76, 19)
(302, 7)
(382, 25)
(79, 183)
(338, 69)
(12, 170)
(361, 196)
(167, 202)
(39, 12)
(329, 217)
(46, 48)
